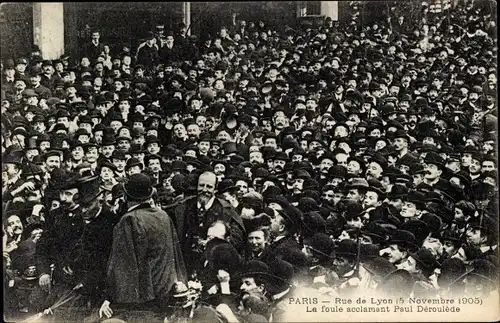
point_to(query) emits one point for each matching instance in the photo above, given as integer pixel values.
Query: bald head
(206, 187)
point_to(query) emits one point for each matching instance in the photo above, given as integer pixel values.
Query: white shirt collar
(280, 295)
(208, 205)
(97, 214)
(130, 209)
(487, 248)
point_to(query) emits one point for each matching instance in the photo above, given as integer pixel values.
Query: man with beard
(145, 261)
(282, 238)
(193, 131)
(256, 157)
(63, 228)
(193, 218)
(52, 160)
(254, 278)
(326, 163)
(299, 176)
(452, 241)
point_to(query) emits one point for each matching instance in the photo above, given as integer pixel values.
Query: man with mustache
(64, 227)
(434, 166)
(13, 185)
(401, 145)
(326, 163)
(280, 160)
(193, 218)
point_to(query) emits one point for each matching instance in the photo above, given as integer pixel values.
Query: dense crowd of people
(214, 181)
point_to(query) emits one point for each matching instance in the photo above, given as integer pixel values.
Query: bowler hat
(379, 267)
(179, 165)
(376, 231)
(131, 162)
(404, 238)
(255, 269)
(224, 256)
(397, 192)
(434, 158)
(67, 180)
(226, 185)
(346, 248)
(321, 243)
(425, 258)
(138, 187)
(88, 189)
(313, 223)
(337, 171)
(419, 228)
(282, 271)
(416, 198)
(399, 280)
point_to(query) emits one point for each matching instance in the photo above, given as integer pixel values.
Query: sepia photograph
(250, 162)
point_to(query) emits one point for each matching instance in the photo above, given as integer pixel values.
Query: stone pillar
(48, 28)
(301, 8)
(186, 15)
(330, 9)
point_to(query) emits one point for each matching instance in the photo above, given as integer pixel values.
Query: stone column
(330, 9)
(301, 9)
(186, 15)
(48, 28)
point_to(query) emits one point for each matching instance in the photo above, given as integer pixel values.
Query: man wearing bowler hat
(145, 260)
(67, 243)
(86, 259)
